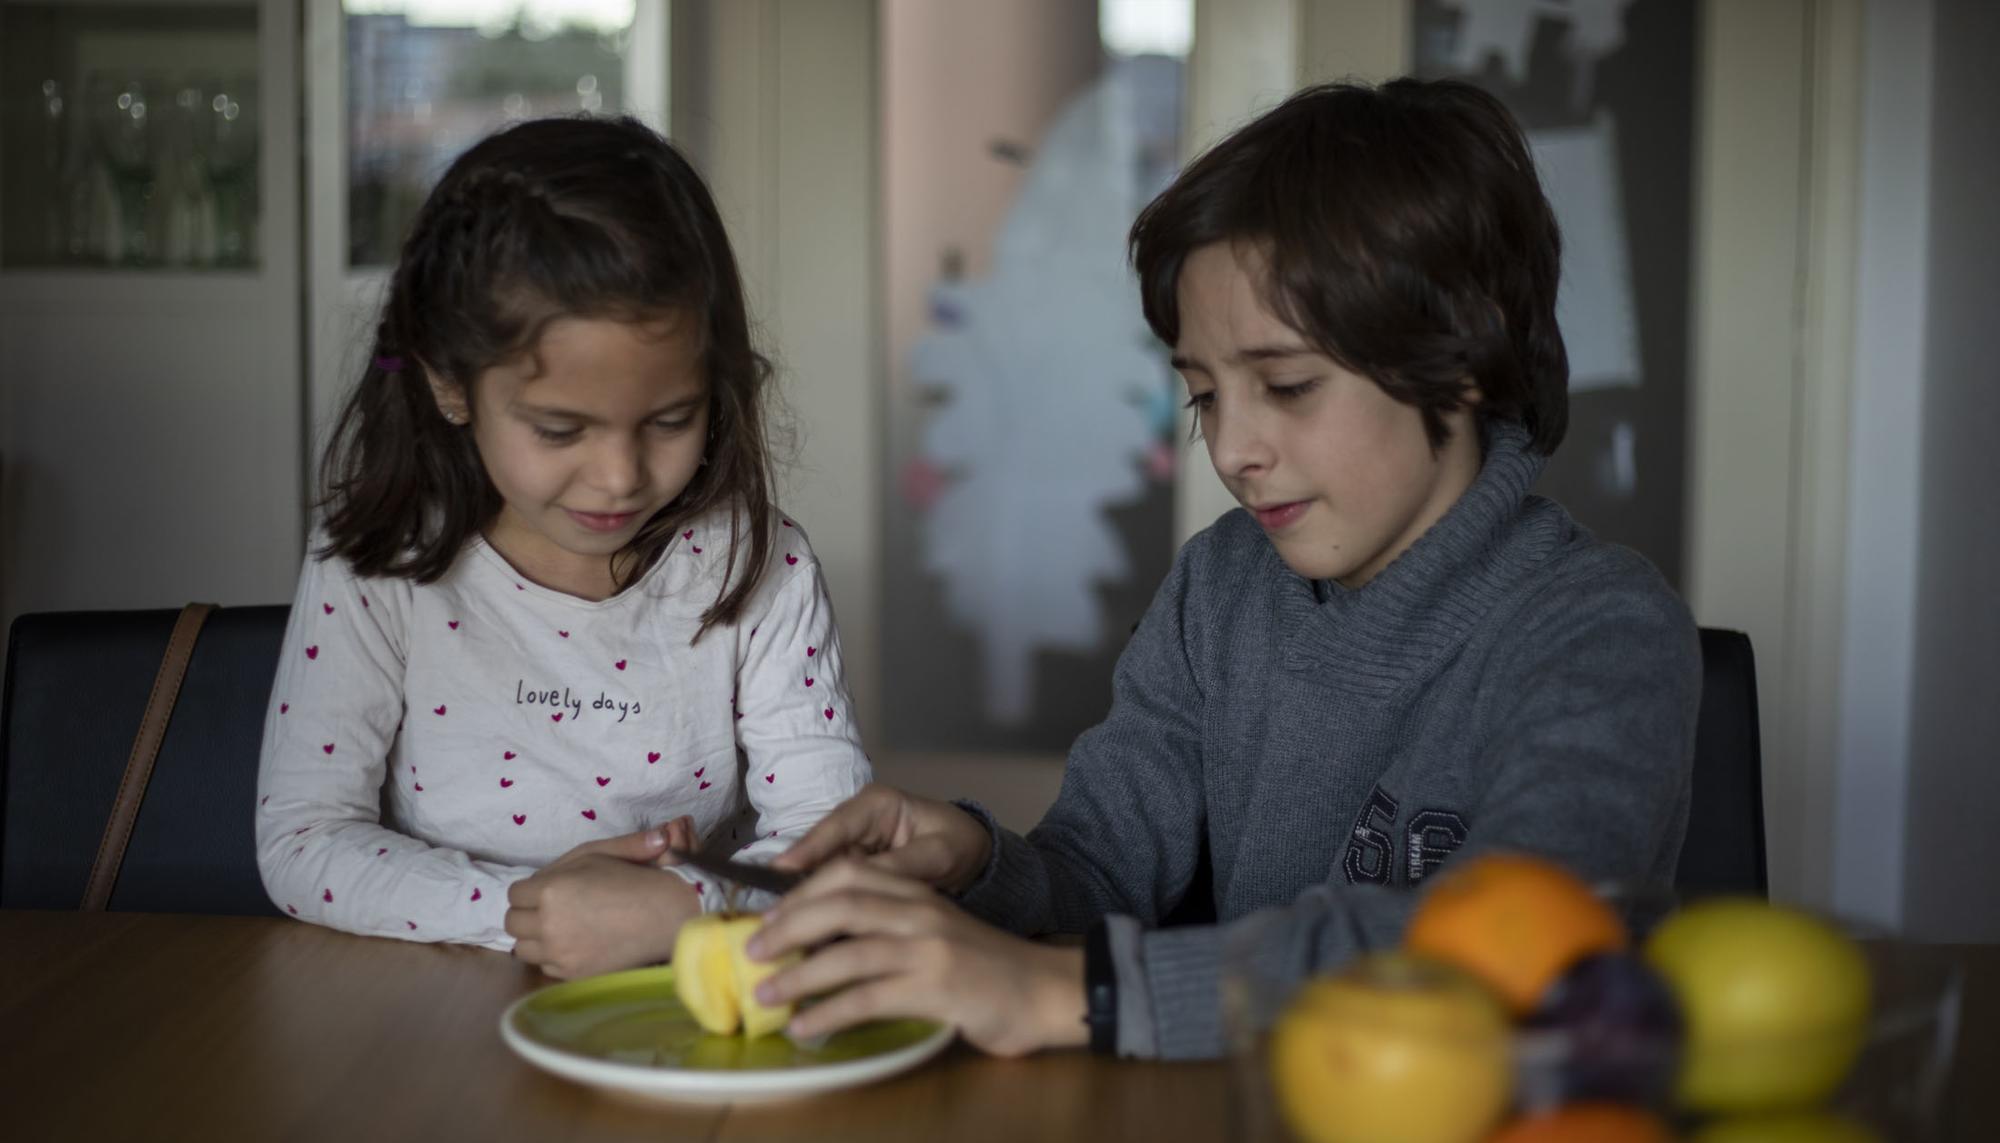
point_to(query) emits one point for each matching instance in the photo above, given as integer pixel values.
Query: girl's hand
(913, 954)
(601, 906)
(899, 833)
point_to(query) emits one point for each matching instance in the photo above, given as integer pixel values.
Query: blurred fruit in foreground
(1613, 1033)
(1776, 1003)
(1786, 1127)
(1514, 921)
(1586, 1123)
(1394, 1049)
(717, 980)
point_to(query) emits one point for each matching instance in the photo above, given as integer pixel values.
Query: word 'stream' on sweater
(426, 746)
(1508, 682)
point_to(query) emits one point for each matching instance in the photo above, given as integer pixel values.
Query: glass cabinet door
(132, 135)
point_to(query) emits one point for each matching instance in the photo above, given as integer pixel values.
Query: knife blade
(741, 873)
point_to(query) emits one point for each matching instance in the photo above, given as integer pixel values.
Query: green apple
(1776, 1002)
(1394, 1049)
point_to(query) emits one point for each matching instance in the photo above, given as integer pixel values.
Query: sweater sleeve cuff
(1136, 1038)
(1011, 891)
(1181, 971)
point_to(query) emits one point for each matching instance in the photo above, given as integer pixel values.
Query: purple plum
(1608, 1029)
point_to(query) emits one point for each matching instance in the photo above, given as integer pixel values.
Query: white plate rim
(682, 1085)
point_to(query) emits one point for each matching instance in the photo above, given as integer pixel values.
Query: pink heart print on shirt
(328, 748)
(506, 782)
(557, 717)
(705, 785)
(564, 634)
(412, 924)
(312, 652)
(828, 712)
(591, 814)
(520, 819)
(789, 559)
(452, 623)
(475, 893)
(381, 851)
(419, 787)
(264, 800)
(364, 601)
(620, 664)
(770, 777)
(696, 549)
(293, 910)
(652, 756)
(328, 607)
(506, 756)
(283, 707)
(785, 522)
(327, 896)
(438, 710)
(809, 680)
(688, 535)
(603, 781)
(698, 773)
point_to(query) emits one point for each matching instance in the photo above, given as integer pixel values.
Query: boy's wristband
(1100, 990)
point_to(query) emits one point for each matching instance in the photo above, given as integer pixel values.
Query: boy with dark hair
(1394, 655)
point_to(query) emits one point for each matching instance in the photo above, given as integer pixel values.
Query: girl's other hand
(899, 833)
(601, 907)
(911, 953)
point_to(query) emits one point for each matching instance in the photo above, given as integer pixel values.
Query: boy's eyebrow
(1245, 356)
(688, 402)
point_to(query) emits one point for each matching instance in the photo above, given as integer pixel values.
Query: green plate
(628, 1031)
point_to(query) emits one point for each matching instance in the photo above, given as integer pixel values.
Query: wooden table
(144, 1027)
(135, 1026)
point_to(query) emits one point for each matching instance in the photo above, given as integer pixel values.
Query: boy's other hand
(931, 841)
(910, 952)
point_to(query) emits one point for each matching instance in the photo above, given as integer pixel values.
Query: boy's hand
(601, 906)
(911, 953)
(932, 841)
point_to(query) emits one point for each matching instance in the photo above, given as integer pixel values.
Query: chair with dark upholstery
(1724, 852)
(75, 687)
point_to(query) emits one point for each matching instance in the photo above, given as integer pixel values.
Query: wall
(1872, 749)
(1951, 891)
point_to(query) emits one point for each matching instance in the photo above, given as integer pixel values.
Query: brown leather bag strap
(145, 747)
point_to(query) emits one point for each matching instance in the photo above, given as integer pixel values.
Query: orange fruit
(1514, 921)
(1586, 1123)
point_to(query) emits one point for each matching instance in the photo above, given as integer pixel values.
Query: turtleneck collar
(1418, 609)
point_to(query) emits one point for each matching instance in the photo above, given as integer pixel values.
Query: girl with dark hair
(551, 623)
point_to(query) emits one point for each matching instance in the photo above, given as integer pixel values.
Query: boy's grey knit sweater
(1508, 682)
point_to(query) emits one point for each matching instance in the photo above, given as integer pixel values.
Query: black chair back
(1724, 851)
(76, 685)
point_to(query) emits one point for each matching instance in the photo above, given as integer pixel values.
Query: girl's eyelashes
(1199, 401)
(1295, 390)
(566, 436)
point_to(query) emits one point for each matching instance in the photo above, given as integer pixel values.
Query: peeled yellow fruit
(1394, 1049)
(717, 980)
(1776, 1003)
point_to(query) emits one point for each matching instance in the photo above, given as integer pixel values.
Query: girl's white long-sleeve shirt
(428, 745)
